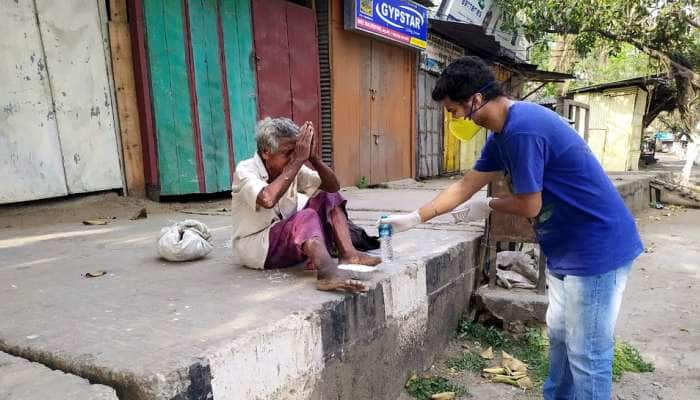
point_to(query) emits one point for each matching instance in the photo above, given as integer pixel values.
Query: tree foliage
(667, 30)
(605, 65)
(659, 27)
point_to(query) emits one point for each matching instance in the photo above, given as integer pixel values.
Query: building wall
(640, 108)
(615, 126)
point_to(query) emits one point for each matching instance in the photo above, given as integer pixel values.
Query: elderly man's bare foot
(362, 259)
(331, 279)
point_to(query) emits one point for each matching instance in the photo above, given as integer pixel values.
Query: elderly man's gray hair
(270, 130)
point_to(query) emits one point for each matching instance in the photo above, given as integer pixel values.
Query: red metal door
(286, 49)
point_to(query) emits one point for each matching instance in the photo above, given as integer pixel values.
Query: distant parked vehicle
(664, 141)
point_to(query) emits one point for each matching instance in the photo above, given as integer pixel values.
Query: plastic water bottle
(385, 233)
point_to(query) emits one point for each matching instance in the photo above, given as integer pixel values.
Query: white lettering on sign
(399, 17)
(469, 11)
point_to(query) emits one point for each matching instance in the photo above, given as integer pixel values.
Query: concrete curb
(357, 347)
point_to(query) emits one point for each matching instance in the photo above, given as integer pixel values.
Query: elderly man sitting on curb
(274, 226)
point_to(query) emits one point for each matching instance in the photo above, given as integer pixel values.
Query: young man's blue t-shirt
(584, 226)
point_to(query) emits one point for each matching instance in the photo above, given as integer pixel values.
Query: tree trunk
(561, 60)
(690, 155)
(689, 108)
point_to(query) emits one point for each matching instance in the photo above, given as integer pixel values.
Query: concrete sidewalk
(211, 329)
(156, 330)
(21, 379)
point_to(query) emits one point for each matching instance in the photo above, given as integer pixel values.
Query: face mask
(463, 129)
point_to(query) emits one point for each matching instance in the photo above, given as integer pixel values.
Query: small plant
(533, 349)
(628, 359)
(422, 388)
(486, 336)
(469, 361)
(362, 183)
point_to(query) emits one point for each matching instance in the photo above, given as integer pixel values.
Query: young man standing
(583, 226)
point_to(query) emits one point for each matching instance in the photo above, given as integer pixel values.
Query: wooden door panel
(207, 70)
(392, 112)
(403, 121)
(237, 30)
(272, 58)
(286, 48)
(304, 65)
(171, 97)
(379, 113)
(350, 105)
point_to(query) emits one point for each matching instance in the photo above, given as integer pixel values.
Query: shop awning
(475, 41)
(642, 82)
(471, 37)
(538, 75)
(530, 72)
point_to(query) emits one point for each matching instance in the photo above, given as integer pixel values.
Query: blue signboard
(399, 21)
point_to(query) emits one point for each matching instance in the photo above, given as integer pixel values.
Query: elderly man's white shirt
(252, 223)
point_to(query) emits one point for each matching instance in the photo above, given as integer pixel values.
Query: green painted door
(202, 91)
(240, 68)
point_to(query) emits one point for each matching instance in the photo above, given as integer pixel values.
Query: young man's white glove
(472, 210)
(402, 222)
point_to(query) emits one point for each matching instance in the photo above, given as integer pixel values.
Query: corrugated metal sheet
(472, 37)
(430, 121)
(324, 58)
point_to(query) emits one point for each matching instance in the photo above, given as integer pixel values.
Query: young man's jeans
(581, 327)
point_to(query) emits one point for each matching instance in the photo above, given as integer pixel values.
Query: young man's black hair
(464, 77)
